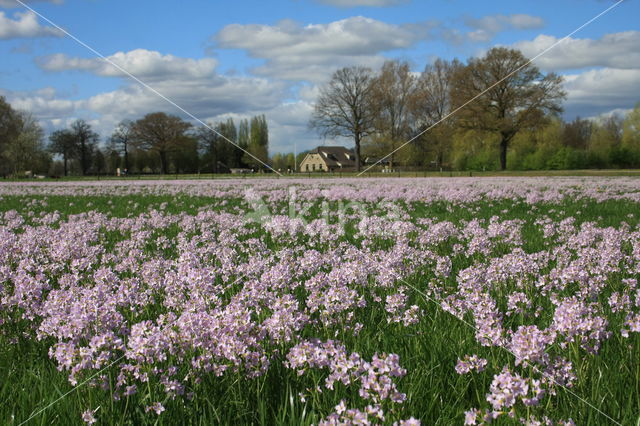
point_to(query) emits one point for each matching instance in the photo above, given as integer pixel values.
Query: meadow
(508, 300)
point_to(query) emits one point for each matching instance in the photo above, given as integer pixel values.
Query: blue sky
(238, 59)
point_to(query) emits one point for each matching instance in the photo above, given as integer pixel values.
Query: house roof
(336, 156)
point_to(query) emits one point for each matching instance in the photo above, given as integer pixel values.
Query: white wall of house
(313, 163)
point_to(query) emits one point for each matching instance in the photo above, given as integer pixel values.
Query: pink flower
(88, 416)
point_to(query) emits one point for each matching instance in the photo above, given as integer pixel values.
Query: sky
(239, 58)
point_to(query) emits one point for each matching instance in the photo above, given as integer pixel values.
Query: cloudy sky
(241, 58)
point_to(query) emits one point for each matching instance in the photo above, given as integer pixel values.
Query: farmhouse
(329, 159)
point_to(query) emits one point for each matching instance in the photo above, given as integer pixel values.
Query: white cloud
(24, 25)
(43, 103)
(594, 91)
(487, 27)
(617, 112)
(288, 129)
(204, 97)
(617, 50)
(358, 3)
(12, 4)
(287, 120)
(312, 52)
(496, 23)
(142, 63)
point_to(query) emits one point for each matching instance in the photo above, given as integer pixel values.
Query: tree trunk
(64, 160)
(163, 161)
(357, 141)
(126, 158)
(83, 158)
(503, 152)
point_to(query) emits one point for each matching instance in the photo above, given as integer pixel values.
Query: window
(307, 166)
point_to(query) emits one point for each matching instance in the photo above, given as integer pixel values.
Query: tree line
(493, 113)
(156, 143)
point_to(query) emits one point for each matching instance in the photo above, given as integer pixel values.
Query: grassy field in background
(372, 173)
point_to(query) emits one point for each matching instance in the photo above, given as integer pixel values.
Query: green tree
(513, 95)
(258, 143)
(10, 125)
(631, 134)
(605, 143)
(26, 150)
(243, 138)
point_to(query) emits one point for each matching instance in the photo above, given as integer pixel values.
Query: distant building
(329, 159)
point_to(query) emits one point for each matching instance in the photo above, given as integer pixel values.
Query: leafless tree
(517, 95)
(391, 93)
(161, 133)
(122, 138)
(86, 140)
(431, 103)
(344, 107)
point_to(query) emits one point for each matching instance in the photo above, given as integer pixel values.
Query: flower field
(354, 301)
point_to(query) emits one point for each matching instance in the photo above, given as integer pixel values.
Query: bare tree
(86, 140)
(391, 93)
(517, 95)
(64, 142)
(122, 138)
(161, 133)
(577, 133)
(344, 107)
(430, 105)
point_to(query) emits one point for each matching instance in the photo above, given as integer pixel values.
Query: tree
(430, 105)
(25, 151)
(86, 141)
(258, 142)
(391, 94)
(631, 130)
(514, 95)
(64, 142)
(160, 133)
(186, 159)
(343, 107)
(577, 133)
(219, 153)
(605, 141)
(209, 142)
(230, 155)
(10, 124)
(99, 162)
(122, 138)
(243, 136)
